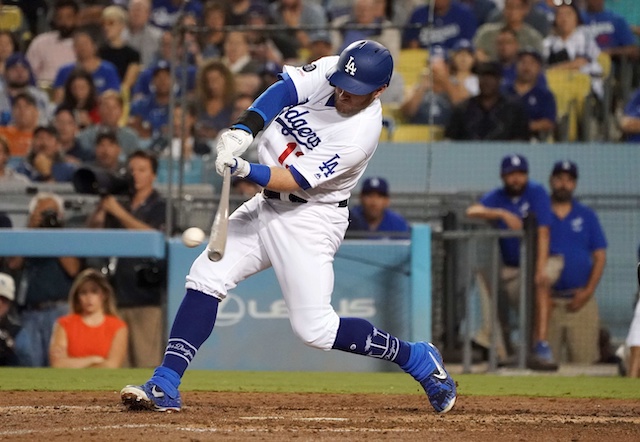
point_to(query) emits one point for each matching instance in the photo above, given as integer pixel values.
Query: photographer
(44, 285)
(139, 283)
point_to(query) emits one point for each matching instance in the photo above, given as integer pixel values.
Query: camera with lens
(50, 219)
(97, 181)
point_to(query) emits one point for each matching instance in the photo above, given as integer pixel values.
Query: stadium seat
(410, 65)
(604, 60)
(608, 80)
(412, 133)
(570, 89)
(10, 18)
(392, 111)
(193, 172)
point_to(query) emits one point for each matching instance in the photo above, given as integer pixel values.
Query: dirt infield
(50, 416)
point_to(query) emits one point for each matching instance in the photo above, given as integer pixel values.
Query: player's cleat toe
(427, 367)
(149, 396)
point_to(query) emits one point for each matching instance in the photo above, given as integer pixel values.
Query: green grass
(49, 379)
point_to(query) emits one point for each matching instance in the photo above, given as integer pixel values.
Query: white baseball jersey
(299, 240)
(329, 150)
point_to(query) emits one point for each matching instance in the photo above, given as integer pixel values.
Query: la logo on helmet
(350, 66)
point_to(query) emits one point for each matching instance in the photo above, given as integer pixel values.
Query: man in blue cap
(373, 214)
(577, 235)
(19, 78)
(506, 207)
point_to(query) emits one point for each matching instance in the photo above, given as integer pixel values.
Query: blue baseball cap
(530, 50)
(375, 184)
(514, 163)
(566, 166)
(160, 65)
(463, 45)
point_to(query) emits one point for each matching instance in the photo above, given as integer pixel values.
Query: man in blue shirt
(630, 123)
(537, 99)
(577, 235)
(452, 21)
(142, 87)
(104, 73)
(373, 213)
(164, 13)
(149, 116)
(611, 31)
(506, 207)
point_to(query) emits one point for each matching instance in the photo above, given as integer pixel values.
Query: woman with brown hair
(216, 91)
(92, 335)
(81, 96)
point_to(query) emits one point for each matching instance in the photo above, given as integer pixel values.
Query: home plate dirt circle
(98, 416)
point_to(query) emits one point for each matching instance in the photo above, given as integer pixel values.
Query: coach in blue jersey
(373, 213)
(611, 31)
(577, 235)
(452, 21)
(506, 207)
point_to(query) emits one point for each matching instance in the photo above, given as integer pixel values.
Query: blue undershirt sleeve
(302, 181)
(279, 95)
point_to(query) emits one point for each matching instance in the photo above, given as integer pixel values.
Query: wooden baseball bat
(218, 236)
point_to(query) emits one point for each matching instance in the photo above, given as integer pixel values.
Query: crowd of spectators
(93, 88)
(108, 63)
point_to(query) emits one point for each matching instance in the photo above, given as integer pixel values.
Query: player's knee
(319, 332)
(314, 338)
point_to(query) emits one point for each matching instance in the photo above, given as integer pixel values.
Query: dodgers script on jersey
(331, 151)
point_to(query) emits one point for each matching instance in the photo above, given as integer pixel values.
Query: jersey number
(290, 148)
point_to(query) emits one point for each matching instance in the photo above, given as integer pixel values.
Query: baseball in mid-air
(193, 237)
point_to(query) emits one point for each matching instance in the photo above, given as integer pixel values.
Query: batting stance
(323, 122)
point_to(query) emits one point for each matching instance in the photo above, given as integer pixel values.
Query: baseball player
(321, 127)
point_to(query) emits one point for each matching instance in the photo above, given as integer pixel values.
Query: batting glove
(239, 167)
(235, 141)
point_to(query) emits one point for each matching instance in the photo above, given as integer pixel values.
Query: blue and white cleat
(150, 397)
(427, 367)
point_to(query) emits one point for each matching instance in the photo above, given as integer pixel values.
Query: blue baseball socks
(359, 336)
(191, 327)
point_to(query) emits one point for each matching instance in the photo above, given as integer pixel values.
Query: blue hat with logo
(375, 184)
(566, 166)
(514, 163)
(160, 65)
(463, 45)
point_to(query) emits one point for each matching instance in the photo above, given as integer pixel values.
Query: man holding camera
(139, 283)
(44, 286)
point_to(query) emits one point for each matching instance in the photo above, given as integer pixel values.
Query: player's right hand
(224, 159)
(235, 141)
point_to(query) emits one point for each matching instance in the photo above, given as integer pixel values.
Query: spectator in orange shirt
(92, 335)
(24, 114)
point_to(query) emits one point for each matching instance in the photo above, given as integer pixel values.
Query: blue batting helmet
(363, 67)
